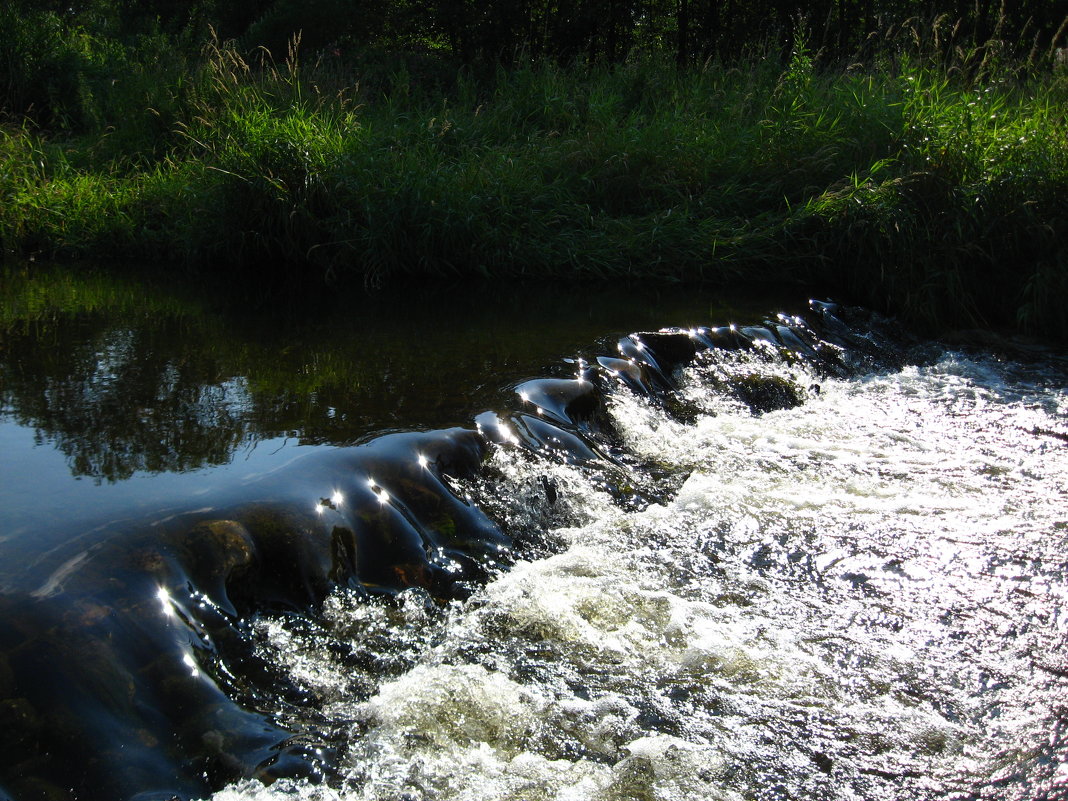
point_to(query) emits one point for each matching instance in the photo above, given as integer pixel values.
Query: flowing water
(821, 561)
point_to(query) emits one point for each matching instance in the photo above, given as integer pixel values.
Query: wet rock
(655, 377)
(147, 560)
(553, 441)
(680, 409)
(766, 393)
(576, 402)
(632, 374)
(292, 560)
(866, 340)
(789, 339)
(823, 762)
(670, 347)
(217, 553)
(758, 334)
(724, 337)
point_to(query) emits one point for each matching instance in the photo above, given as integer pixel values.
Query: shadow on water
(171, 469)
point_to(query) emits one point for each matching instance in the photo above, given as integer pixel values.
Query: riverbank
(935, 189)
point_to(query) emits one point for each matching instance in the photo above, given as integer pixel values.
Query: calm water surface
(838, 577)
(119, 398)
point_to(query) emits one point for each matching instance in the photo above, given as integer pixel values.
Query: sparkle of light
(165, 601)
(191, 664)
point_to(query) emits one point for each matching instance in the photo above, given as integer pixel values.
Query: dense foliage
(59, 54)
(916, 166)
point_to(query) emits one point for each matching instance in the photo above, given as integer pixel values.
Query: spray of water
(858, 594)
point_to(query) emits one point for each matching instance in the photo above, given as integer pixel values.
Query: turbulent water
(861, 596)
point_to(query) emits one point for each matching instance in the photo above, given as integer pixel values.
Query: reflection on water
(117, 399)
(127, 380)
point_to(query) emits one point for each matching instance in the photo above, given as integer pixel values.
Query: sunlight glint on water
(832, 606)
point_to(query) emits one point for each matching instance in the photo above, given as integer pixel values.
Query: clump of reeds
(929, 179)
(961, 224)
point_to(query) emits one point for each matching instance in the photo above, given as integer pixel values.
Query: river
(827, 567)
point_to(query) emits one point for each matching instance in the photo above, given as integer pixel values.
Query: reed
(928, 180)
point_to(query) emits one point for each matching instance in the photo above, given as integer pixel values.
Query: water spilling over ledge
(758, 561)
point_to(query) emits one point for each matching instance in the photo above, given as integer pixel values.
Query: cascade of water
(788, 560)
(833, 575)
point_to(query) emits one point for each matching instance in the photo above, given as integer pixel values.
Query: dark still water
(118, 397)
(526, 545)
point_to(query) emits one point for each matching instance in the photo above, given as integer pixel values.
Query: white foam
(825, 603)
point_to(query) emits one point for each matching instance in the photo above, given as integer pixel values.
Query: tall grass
(965, 221)
(929, 180)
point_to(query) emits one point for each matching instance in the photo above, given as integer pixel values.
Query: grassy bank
(934, 187)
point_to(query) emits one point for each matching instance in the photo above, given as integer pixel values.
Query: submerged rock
(764, 393)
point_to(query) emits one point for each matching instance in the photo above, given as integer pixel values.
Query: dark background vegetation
(55, 51)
